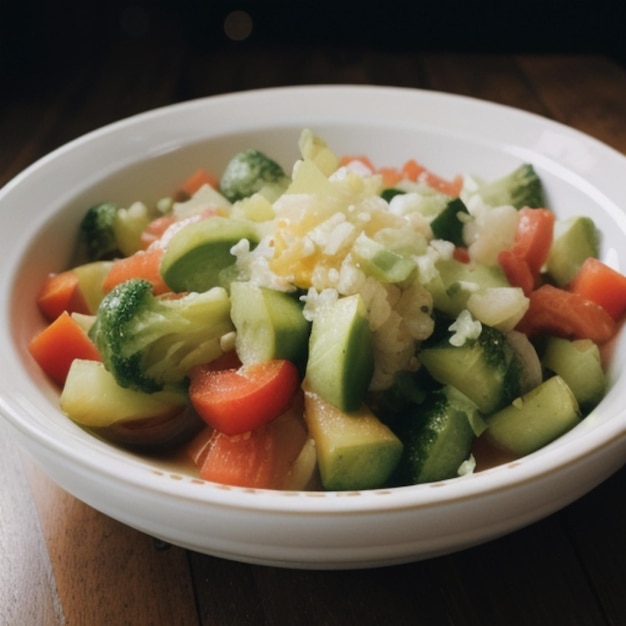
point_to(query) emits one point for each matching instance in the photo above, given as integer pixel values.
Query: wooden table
(64, 563)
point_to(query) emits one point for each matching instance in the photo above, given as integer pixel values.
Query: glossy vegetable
(57, 345)
(236, 401)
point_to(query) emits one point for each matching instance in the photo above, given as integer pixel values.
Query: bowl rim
(179, 487)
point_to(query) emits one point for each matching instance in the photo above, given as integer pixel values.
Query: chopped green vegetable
(148, 342)
(252, 171)
(97, 231)
(520, 188)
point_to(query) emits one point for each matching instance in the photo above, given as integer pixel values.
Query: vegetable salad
(343, 325)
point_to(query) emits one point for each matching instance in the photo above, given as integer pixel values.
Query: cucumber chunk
(579, 364)
(485, 369)
(437, 439)
(354, 450)
(537, 418)
(449, 223)
(198, 253)
(269, 324)
(341, 354)
(575, 240)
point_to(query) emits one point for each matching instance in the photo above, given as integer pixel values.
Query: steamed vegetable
(350, 326)
(149, 342)
(520, 188)
(252, 171)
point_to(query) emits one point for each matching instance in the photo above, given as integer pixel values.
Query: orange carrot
(155, 229)
(516, 270)
(412, 170)
(55, 347)
(199, 178)
(563, 313)
(533, 237)
(603, 285)
(235, 401)
(261, 458)
(61, 292)
(144, 264)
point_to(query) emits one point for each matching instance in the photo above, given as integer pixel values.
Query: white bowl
(143, 158)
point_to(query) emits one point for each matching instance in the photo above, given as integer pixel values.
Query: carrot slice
(262, 458)
(155, 229)
(197, 179)
(516, 270)
(565, 314)
(144, 264)
(533, 237)
(417, 172)
(235, 401)
(605, 286)
(57, 345)
(61, 292)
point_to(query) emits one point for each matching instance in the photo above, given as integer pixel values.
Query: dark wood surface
(65, 563)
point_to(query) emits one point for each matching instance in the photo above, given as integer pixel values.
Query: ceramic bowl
(143, 157)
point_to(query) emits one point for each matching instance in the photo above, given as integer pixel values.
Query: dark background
(40, 40)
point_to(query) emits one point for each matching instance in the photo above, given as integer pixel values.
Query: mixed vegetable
(344, 326)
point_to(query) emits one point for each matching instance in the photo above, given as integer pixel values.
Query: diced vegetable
(351, 326)
(148, 342)
(520, 188)
(355, 450)
(537, 418)
(61, 292)
(236, 401)
(341, 358)
(603, 285)
(437, 440)
(57, 345)
(252, 171)
(200, 251)
(575, 240)
(558, 312)
(144, 264)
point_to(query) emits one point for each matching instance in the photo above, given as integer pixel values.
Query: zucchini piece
(579, 364)
(575, 240)
(537, 418)
(449, 223)
(486, 370)
(437, 439)
(269, 324)
(341, 353)
(354, 450)
(198, 253)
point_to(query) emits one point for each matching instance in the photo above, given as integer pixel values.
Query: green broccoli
(97, 231)
(107, 231)
(150, 342)
(249, 172)
(520, 188)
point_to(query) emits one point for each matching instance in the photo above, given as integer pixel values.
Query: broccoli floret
(520, 188)
(252, 171)
(150, 342)
(97, 231)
